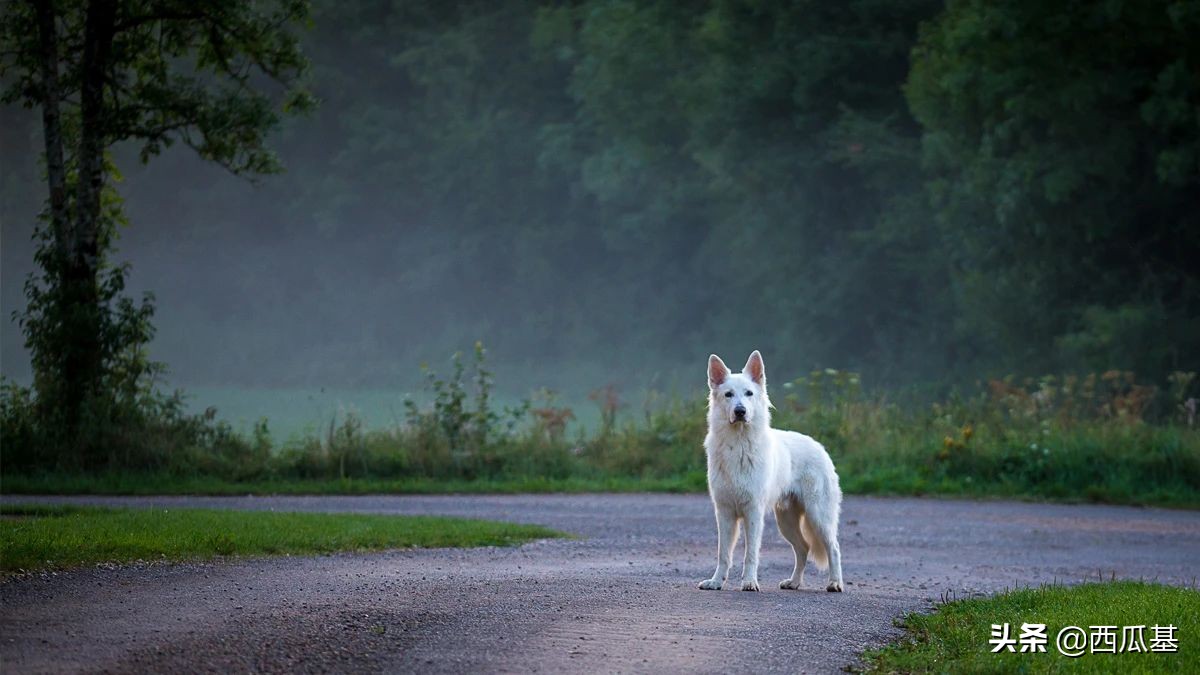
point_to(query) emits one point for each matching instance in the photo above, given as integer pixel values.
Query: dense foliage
(918, 191)
(608, 190)
(1063, 152)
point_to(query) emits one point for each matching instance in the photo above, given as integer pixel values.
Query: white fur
(752, 467)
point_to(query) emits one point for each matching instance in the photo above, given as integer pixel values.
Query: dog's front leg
(727, 532)
(754, 530)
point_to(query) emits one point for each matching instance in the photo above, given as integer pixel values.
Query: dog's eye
(729, 394)
(749, 393)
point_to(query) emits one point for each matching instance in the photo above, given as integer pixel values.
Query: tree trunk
(52, 123)
(62, 402)
(84, 359)
(97, 43)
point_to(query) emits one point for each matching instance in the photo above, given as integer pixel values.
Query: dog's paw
(791, 584)
(750, 586)
(710, 585)
(834, 587)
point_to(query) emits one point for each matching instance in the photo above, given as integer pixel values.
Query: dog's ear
(718, 372)
(755, 369)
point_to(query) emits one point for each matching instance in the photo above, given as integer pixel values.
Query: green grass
(133, 483)
(54, 537)
(889, 479)
(1099, 462)
(954, 639)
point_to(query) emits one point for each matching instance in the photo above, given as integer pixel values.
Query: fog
(252, 294)
(606, 193)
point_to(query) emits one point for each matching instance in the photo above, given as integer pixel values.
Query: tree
(212, 74)
(772, 138)
(1063, 147)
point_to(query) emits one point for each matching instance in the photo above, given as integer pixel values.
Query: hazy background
(605, 192)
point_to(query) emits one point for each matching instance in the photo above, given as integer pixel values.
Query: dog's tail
(816, 544)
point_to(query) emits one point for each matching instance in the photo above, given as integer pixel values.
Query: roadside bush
(18, 428)
(149, 432)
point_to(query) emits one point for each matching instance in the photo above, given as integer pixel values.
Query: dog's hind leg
(826, 543)
(835, 564)
(787, 517)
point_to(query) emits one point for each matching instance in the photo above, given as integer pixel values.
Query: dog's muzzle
(739, 414)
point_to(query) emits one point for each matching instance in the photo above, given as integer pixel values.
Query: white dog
(752, 467)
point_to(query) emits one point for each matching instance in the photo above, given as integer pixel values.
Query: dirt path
(621, 599)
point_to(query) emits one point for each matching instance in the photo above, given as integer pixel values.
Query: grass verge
(955, 638)
(879, 480)
(55, 537)
(135, 483)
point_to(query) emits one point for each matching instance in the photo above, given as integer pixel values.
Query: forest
(929, 195)
(919, 192)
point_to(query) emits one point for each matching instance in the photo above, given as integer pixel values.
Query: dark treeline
(916, 190)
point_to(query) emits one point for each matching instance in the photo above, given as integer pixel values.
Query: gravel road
(621, 598)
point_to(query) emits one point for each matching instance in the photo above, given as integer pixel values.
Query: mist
(606, 198)
(249, 294)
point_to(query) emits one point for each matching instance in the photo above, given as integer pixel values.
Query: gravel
(619, 598)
